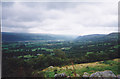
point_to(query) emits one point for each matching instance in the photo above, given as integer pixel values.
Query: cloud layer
(70, 18)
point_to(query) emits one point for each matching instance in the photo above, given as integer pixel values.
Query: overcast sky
(69, 18)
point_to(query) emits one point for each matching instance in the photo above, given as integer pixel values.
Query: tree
(59, 53)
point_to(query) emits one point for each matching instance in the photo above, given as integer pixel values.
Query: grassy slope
(86, 67)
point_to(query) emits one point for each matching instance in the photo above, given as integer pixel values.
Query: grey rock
(60, 75)
(85, 74)
(103, 74)
(50, 67)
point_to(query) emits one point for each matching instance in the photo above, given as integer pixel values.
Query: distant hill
(113, 35)
(89, 37)
(98, 37)
(8, 36)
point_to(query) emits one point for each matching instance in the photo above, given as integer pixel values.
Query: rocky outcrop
(60, 75)
(97, 75)
(103, 74)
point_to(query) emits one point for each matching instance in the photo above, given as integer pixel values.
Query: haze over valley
(60, 39)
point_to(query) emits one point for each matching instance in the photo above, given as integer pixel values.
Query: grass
(86, 67)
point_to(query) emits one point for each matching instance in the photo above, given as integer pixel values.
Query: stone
(103, 74)
(108, 74)
(85, 74)
(51, 67)
(60, 75)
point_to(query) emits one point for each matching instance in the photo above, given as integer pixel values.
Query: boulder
(85, 74)
(60, 75)
(50, 67)
(103, 74)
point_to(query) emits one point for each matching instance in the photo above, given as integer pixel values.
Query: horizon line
(62, 34)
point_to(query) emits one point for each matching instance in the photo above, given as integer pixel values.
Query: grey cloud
(7, 4)
(12, 29)
(59, 17)
(52, 5)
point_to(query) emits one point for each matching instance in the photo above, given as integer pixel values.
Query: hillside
(90, 68)
(98, 37)
(9, 36)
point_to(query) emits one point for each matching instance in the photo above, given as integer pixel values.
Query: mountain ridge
(10, 36)
(99, 37)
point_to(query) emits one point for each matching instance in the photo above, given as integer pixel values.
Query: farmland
(33, 56)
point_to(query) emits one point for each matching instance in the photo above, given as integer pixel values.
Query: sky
(65, 18)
